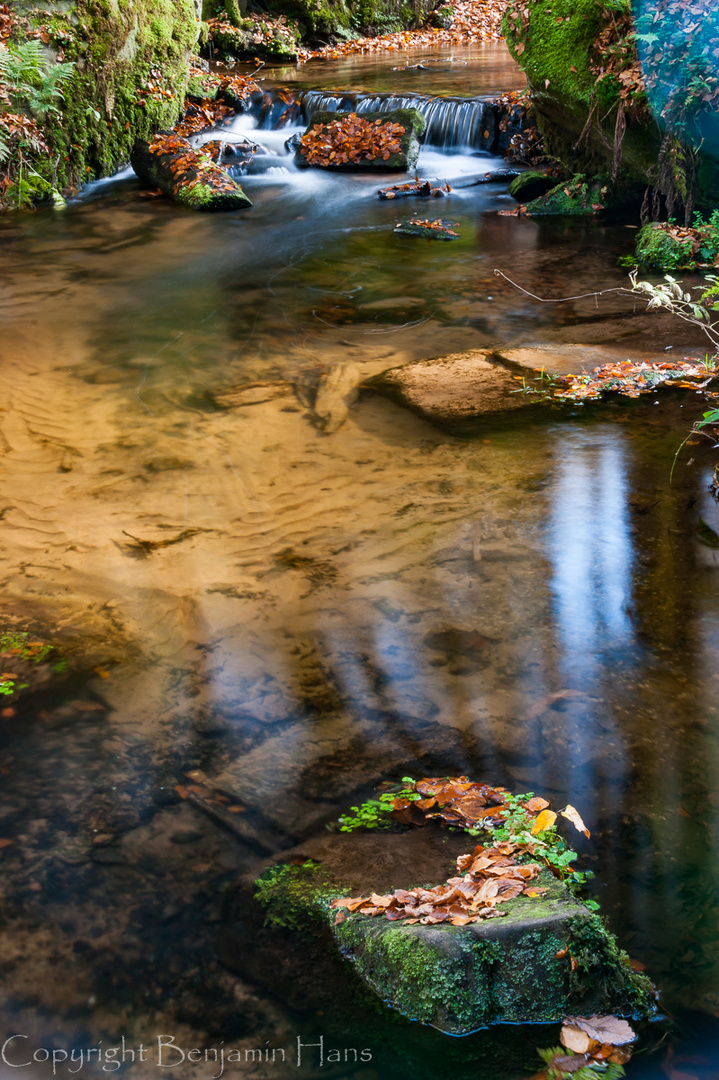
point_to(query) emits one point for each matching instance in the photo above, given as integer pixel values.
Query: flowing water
(288, 617)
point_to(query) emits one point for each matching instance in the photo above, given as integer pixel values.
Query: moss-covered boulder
(555, 45)
(657, 249)
(370, 140)
(531, 185)
(186, 175)
(578, 197)
(129, 80)
(546, 957)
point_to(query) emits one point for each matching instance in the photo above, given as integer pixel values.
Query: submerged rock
(461, 386)
(546, 957)
(185, 174)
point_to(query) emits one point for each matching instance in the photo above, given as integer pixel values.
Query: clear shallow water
(150, 359)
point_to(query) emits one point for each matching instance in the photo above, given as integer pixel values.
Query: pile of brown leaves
(632, 379)
(351, 139)
(491, 876)
(589, 1040)
(200, 115)
(436, 228)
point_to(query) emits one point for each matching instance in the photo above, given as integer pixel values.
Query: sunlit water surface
(529, 603)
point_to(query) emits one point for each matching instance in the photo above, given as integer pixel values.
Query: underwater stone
(461, 386)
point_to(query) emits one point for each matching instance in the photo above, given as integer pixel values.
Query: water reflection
(591, 549)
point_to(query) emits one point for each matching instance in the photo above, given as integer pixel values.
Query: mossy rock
(189, 177)
(656, 249)
(411, 120)
(578, 197)
(120, 51)
(554, 47)
(543, 959)
(531, 185)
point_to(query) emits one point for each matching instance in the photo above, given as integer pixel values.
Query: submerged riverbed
(530, 602)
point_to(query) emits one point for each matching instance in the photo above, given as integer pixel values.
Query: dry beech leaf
(575, 1039)
(610, 1030)
(544, 820)
(573, 815)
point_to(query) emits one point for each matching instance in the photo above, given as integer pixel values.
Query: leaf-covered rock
(187, 175)
(372, 140)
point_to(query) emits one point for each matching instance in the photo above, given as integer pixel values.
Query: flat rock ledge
(546, 958)
(461, 386)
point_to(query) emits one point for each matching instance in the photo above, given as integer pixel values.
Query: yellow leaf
(572, 815)
(543, 821)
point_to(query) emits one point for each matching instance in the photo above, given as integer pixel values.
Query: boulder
(461, 386)
(544, 958)
(531, 185)
(335, 134)
(187, 175)
(657, 249)
(578, 197)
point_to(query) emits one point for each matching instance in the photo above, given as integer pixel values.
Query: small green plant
(17, 644)
(549, 845)
(542, 391)
(375, 813)
(281, 890)
(33, 83)
(554, 1057)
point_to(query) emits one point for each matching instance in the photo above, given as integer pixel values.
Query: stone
(656, 249)
(531, 185)
(186, 175)
(543, 959)
(336, 394)
(573, 359)
(411, 120)
(578, 197)
(461, 386)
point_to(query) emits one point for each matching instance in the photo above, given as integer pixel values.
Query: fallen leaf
(573, 815)
(605, 1029)
(543, 821)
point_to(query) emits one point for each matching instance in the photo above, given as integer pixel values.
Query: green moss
(129, 81)
(657, 250)
(578, 197)
(554, 50)
(295, 897)
(417, 979)
(604, 971)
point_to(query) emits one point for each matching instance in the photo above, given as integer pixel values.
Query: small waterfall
(474, 124)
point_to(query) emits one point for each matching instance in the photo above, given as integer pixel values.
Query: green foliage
(285, 892)
(549, 846)
(375, 813)
(599, 1071)
(657, 249)
(34, 84)
(17, 643)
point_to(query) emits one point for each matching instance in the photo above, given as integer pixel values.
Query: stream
(530, 602)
